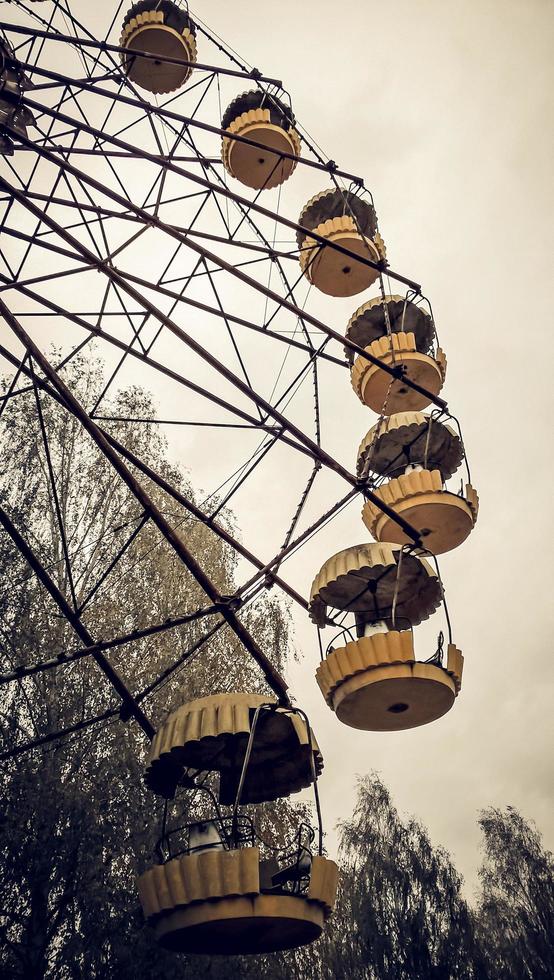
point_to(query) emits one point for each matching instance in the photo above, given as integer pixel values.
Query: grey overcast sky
(445, 109)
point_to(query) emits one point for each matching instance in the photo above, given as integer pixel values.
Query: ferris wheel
(145, 178)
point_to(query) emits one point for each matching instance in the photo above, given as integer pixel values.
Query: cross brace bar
(202, 181)
(70, 656)
(116, 49)
(150, 219)
(129, 702)
(272, 676)
(116, 276)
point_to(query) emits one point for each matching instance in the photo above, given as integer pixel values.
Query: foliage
(516, 913)
(77, 824)
(401, 913)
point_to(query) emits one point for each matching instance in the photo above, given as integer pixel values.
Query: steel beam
(74, 620)
(175, 541)
(153, 220)
(70, 656)
(201, 181)
(115, 276)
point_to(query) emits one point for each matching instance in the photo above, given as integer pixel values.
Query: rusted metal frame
(62, 175)
(216, 188)
(109, 257)
(124, 80)
(267, 569)
(299, 509)
(247, 469)
(199, 514)
(177, 495)
(212, 311)
(12, 392)
(117, 558)
(114, 712)
(165, 674)
(396, 372)
(74, 620)
(83, 151)
(36, 163)
(250, 420)
(278, 435)
(149, 113)
(220, 368)
(229, 331)
(289, 292)
(60, 733)
(52, 479)
(329, 167)
(317, 451)
(272, 676)
(168, 265)
(256, 197)
(48, 23)
(107, 77)
(145, 316)
(188, 504)
(85, 223)
(47, 277)
(105, 213)
(36, 240)
(71, 656)
(26, 184)
(298, 380)
(155, 421)
(245, 211)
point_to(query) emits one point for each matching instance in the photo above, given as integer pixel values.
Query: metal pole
(116, 49)
(54, 736)
(72, 655)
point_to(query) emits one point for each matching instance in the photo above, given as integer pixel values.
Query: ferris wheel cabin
(346, 219)
(266, 121)
(162, 31)
(220, 885)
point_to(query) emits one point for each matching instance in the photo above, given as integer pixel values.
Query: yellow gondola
(211, 734)
(372, 321)
(215, 902)
(265, 120)
(421, 453)
(348, 220)
(378, 582)
(410, 437)
(219, 887)
(385, 395)
(374, 682)
(164, 30)
(371, 680)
